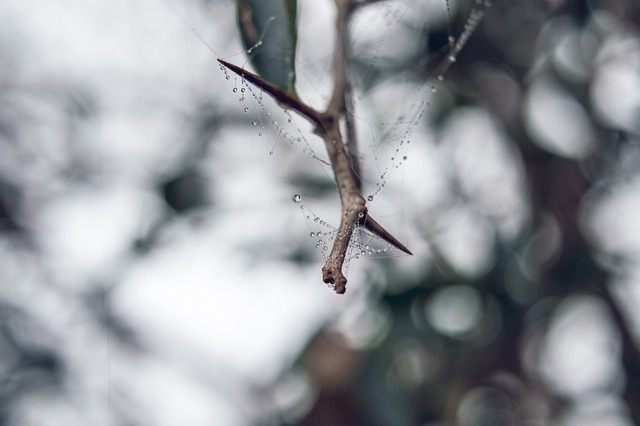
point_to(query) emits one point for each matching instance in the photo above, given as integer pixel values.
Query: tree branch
(343, 160)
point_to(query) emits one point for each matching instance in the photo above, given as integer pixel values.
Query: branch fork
(341, 155)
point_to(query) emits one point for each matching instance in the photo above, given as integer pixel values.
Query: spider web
(387, 108)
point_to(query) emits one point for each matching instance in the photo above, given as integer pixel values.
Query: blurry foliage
(446, 347)
(433, 368)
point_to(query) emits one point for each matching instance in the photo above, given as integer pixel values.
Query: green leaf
(269, 33)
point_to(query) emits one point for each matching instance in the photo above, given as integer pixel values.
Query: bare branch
(343, 159)
(340, 78)
(353, 204)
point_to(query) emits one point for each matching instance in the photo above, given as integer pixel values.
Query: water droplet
(259, 133)
(370, 198)
(313, 234)
(296, 198)
(253, 123)
(270, 152)
(360, 215)
(227, 77)
(242, 90)
(246, 110)
(235, 89)
(405, 158)
(317, 245)
(441, 77)
(452, 58)
(434, 89)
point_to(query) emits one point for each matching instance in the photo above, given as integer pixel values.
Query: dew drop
(317, 245)
(296, 198)
(452, 58)
(370, 198)
(441, 77)
(235, 89)
(246, 109)
(253, 123)
(325, 248)
(242, 90)
(270, 152)
(227, 77)
(405, 158)
(434, 89)
(259, 133)
(313, 234)
(360, 215)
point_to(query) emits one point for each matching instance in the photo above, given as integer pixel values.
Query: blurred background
(154, 270)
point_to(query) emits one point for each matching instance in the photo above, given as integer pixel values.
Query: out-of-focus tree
(517, 308)
(543, 330)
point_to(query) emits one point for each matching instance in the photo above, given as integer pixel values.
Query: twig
(343, 161)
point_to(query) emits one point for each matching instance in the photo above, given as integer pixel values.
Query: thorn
(288, 100)
(376, 229)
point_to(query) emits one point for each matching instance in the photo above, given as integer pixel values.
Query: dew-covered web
(385, 136)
